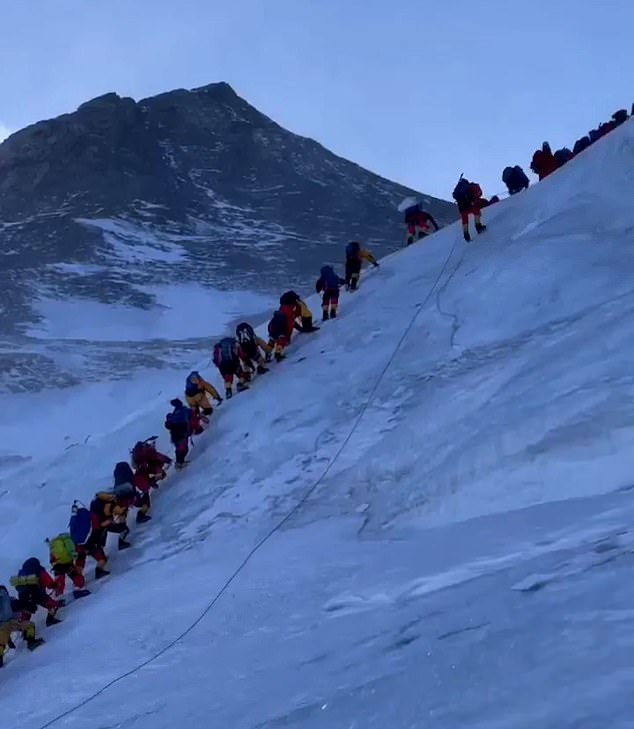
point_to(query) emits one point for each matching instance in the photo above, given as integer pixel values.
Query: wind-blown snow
(133, 244)
(181, 312)
(453, 458)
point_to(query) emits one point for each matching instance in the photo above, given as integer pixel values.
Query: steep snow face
(421, 518)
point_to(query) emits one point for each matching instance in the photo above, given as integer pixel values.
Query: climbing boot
(33, 643)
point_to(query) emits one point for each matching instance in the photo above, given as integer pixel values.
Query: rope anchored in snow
(276, 528)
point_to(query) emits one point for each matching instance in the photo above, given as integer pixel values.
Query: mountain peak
(220, 90)
(247, 199)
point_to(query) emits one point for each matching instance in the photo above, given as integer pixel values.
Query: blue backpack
(191, 387)
(352, 249)
(31, 567)
(225, 351)
(80, 525)
(329, 277)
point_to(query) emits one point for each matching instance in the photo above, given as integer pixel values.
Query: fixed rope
(264, 539)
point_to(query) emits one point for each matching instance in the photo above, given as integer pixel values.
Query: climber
(562, 156)
(63, 557)
(230, 361)
(149, 465)
(355, 255)
(197, 390)
(302, 315)
(146, 459)
(620, 117)
(594, 135)
(543, 162)
(252, 347)
(280, 332)
(109, 513)
(581, 144)
(606, 128)
(89, 541)
(123, 489)
(31, 584)
(417, 223)
(515, 179)
(180, 424)
(12, 620)
(329, 283)
(468, 196)
(127, 494)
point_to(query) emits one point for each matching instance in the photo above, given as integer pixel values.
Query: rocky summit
(107, 202)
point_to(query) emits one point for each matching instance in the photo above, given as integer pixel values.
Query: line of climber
(469, 197)
(238, 359)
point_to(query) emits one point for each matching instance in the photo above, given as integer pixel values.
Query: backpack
(28, 576)
(62, 549)
(620, 116)
(562, 156)
(80, 525)
(143, 452)
(6, 611)
(412, 213)
(180, 416)
(278, 324)
(581, 144)
(192, 388)
(461, 192)
(124, 492)
(289, 298)
(122, 473)
(521, 175)
(352, 249)
(507, 175)
(245, 333)
(329, 277)
(224, 351)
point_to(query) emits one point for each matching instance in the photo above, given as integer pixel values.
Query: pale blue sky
(416, 90)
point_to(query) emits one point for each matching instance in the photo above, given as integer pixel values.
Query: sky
(417, 91)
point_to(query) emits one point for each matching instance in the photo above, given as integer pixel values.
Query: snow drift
(421, 518)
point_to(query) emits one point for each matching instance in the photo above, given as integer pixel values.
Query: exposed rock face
(189, 186)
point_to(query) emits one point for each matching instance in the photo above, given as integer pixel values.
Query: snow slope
(427, 522)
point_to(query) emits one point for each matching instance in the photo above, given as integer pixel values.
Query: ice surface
(449, 467)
